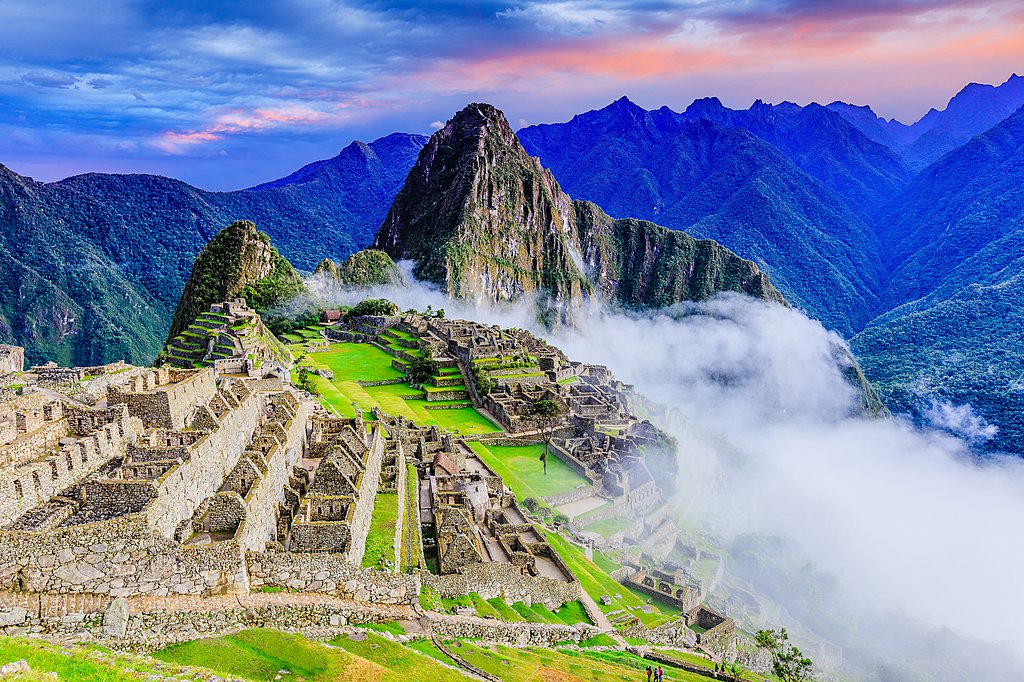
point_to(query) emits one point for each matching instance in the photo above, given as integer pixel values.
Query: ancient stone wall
(165, 405)
(262, 500)
(119, 557)
(185, 486)
(363, 511)
(511, 634)
(12, 359)
(330, 573)
(30, 485)
(505, 581)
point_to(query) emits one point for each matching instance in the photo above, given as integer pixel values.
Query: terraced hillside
(217, 334)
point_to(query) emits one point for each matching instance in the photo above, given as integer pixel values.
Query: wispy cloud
(273, 81)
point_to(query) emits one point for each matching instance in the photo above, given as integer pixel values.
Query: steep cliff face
(238, 261)
(483, 219)
(640, 264)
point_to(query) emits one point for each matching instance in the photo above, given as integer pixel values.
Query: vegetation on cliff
(483, 219)
(365, 268)
(238, 262)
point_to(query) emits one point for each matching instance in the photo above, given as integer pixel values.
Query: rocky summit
(483, 219)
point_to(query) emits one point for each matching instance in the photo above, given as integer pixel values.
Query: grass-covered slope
(238, 261)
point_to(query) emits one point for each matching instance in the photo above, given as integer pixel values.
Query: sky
(228, 94)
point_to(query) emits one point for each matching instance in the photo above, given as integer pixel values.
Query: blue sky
(229, 94)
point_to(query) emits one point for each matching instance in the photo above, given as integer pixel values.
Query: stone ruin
(12, 359)
(231, 338)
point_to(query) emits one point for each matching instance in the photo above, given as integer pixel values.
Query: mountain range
(92, 267)
(902, 238)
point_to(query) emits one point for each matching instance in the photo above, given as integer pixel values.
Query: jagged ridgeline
(484, 220)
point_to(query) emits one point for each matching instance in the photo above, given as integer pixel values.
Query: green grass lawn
(567, 614)
(465, 420)
(78, 663)
(402, 663)
(354, 362)
(380, 540)
(521, 469)
(259, 654)
(520, 665)
(597, 583)
(426, 647)
(609, 527)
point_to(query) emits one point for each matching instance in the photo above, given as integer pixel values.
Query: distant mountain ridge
(972, 111)
(725, 183)
(94, 265)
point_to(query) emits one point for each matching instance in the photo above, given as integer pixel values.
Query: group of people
(655, 674)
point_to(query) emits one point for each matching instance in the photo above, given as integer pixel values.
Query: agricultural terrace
(596, 582)
(354, 363)
(521, 469)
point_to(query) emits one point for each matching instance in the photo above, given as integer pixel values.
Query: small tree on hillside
(545, 415)
(421, 370)
(788, 663)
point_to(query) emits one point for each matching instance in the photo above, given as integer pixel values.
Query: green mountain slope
(483, 219)
(238, 262)
(705, 174)
(954, 306)
(96, 263)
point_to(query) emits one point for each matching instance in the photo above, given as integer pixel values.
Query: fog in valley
(893, 542)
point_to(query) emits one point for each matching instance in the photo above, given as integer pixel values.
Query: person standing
(649, 673)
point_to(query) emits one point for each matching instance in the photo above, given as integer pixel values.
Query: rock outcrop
(484, 220)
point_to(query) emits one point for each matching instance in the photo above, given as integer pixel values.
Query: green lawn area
(567, 614)
(354, 362)
(410, 551)
(597, 583)
(465, 420)
(76, 663)
(380, 540)
(521, 469)
(259, 654)
(426, 647)
(520, 665)
(609, 527)
(402, 663)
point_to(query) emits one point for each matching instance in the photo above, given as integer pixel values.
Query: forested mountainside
(94, 264)
(933, 255)
(955, 298)
(484, 220)
(970, 112)
(727, 184)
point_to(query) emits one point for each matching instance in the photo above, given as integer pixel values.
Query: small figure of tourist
(661, 674)
(649, 672)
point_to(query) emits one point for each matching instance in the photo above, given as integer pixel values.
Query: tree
(788, 663)
(373, 306)
(421, 370)
(546, 416)
(305, 375)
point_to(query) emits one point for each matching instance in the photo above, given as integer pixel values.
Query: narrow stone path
(601, 620)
